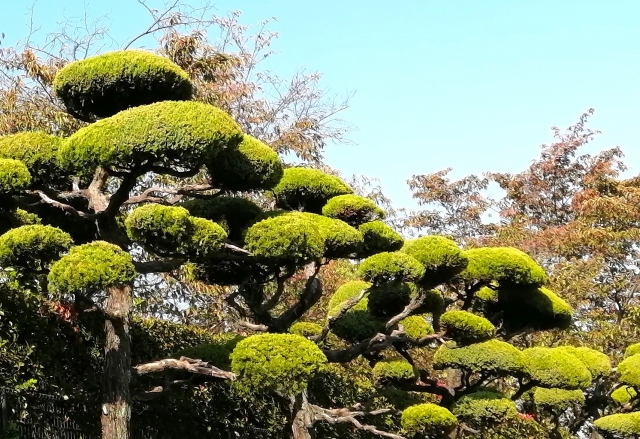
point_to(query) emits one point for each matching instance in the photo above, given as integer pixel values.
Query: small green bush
(32, 248)
(250, 166)
(416, 326)
(340, 239)
(166, 134)
(505, 265)
(557, 400)
(286, 239)
(90, 268)
(14, 176)
(466, 328)
(492, 356)
(441, 257)
(631, 350)
(171, 230)
(103, 85)
(623, 425)
(38, 151)
(556, 368)
(357, 324)
(389, 299)
(624, 394)
(389, 267)
(345, 292)
(629, 370)
(379, 237)
(307, 189)
(396, 371)
(234, 214)
(428, 420)
(486, 406)
(352, 209)
(276, 362)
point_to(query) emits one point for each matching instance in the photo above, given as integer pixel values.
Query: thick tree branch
(343, 416)
(66, 207)
(415, 303)
(197, 367)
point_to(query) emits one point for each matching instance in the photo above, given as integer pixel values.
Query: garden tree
(145, 123)
(572, 213)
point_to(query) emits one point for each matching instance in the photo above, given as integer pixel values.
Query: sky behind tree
(468, 84)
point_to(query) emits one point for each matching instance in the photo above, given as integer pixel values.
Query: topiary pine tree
(84, 220)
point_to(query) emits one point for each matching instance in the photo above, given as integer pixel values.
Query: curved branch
(197, 367)
(66, 207)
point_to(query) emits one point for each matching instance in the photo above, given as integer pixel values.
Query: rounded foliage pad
(106, 84)
(390, 267)
(492, 356)
(629, 370)
(394, 371)
(286, 240)
(379, 237)
(276, 362)
(32, 247)
(307, 189)
(171, 230)
(465, 327)
(505, 265)
(416, 326)
(623, 425)
(352, 209)
(166, 134)
(631, 350)
(557, 400)
(441, 257)
(305, 329)
(14, 176)
(556, 368)
(38, 151)
(485, 406)
(597, 363)
(389, 299)
(90, 268)
(234, 214)
(250, 166)
(428, 420)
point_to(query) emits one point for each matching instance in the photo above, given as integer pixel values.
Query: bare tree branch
(197, 367)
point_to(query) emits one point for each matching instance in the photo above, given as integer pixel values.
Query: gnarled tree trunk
(116, 398)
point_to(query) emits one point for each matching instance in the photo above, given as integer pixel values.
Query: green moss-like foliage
(234, 214)
(357, 324)
(280, 362)
(492, 356)
(624, 394)
(389, 267)
(556, 368)
(465, 327)
(32, 248)
(596, 362)
(631, 350)
(305, 329)
(166, 134)
(624, 425)
(14, 176)
(217, 353)
(285, 240)
(90, 268)
(389, 299)
(38, 152)
(441, 257)
(103, 85)
(486, 406)
(416, 326)
(340, 239)
(433, 302)
(307, 189)
(345, 292)
(506, 265)
(428, 420)
(393, 370)
(353, 209)
(557, 400)
(379, 237)
(13, 218)
(171, 230)
(629, 370)
(250, 166)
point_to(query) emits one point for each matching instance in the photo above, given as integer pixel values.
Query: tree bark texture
(116, 398)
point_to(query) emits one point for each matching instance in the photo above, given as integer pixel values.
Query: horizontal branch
(252, 326)
(66, 207)
(190, 365)
(338, 416)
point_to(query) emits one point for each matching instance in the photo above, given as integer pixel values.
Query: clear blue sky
(465, 83)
